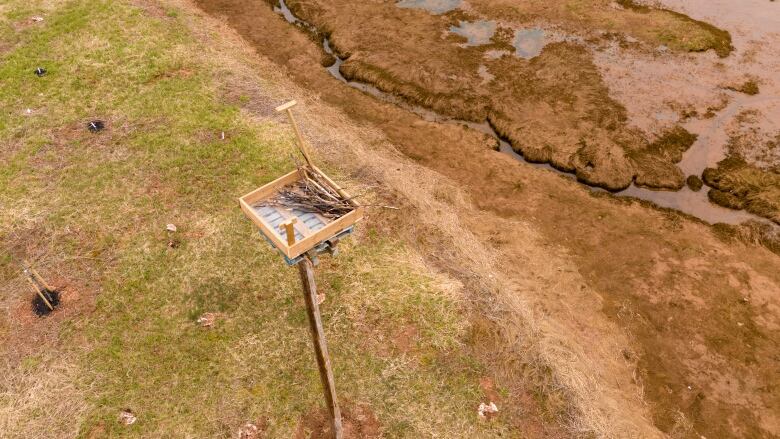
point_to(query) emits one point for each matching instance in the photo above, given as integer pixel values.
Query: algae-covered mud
(623, 97)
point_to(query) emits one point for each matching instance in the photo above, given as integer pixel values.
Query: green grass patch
(396, 335)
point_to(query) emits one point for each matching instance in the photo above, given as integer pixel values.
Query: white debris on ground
(127, 417)
(171, 227)
(485, 410)
(320, 298)
(36, 18)
(207, 320)
(248, 431)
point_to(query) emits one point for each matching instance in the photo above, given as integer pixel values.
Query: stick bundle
(312, 194)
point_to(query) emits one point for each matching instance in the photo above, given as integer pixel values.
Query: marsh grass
(737, 184)
(93, 208)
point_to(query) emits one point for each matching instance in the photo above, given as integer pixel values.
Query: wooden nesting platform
(310, 227)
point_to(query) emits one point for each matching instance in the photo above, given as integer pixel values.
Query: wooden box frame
(330, 229)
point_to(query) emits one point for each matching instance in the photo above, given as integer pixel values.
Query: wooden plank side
(265, 228)
(271, 188)
(326, 232)
(283, 107)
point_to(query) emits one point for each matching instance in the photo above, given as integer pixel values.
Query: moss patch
(694, 183)
(737, 185)
(684, 33)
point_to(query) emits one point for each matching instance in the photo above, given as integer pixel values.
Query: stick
(301, 143)
(322, 189)
(38, 291)
(320, 344)
(38, 278)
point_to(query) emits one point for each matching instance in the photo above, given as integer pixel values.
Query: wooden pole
(320, 345)
(301, 143)
(38, 291)
(38, 278)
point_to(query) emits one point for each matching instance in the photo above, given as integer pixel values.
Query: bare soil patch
(358, 422)
(29, 332)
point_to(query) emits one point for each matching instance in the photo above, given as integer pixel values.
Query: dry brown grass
(580, 368)
(565, 305)
(40, 397)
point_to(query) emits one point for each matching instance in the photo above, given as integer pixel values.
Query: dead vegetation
(749, 87)
(312, 194)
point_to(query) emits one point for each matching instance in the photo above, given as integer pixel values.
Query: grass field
(91, 210)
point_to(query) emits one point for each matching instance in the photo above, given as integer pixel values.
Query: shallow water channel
(432, 6)
(705, 152)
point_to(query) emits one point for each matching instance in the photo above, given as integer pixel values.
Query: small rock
(127, 417)
(171, 227)
(36, 19)
(486, 410)
(207, 320)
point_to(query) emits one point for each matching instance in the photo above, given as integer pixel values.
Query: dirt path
(643, 305)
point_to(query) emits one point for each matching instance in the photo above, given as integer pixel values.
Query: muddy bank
(732, 103)
(639, 267)
(749, 177)
(737, 185)
(542, 93)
